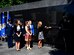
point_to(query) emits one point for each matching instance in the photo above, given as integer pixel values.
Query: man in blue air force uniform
(9, 32)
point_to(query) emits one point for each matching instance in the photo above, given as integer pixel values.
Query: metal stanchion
(0, 39)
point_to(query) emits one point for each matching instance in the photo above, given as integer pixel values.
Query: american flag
(2, 25)
(8, 16)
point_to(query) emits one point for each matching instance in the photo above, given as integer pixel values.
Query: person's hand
(16, 33)
(30, 33)
(46, 27)
(49, 27)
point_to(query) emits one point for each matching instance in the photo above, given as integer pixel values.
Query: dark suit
(9, 32)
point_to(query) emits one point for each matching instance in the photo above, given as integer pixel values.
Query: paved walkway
(4, 50)
(45, 50)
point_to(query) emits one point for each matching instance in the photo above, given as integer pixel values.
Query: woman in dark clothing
(18, 32)
(40, 34)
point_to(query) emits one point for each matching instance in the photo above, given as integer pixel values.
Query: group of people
(28, 35)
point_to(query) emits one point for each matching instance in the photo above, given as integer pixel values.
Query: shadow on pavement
(0, 44)
(60, 52)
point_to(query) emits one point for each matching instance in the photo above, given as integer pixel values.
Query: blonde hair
(39, 24)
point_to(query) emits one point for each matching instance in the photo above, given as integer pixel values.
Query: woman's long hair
(16, 22)
(26, 23)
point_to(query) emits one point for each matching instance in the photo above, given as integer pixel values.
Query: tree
(7, 3)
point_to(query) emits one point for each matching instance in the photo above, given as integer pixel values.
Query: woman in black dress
(40, 33)
(18, 32)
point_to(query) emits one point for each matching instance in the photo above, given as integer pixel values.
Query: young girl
(27, 35)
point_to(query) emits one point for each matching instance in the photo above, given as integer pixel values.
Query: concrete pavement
(45, 50)
(4, 50)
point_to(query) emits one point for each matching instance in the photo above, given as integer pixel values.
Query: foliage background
(7, 3)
